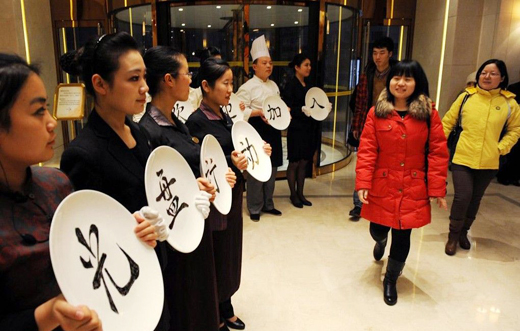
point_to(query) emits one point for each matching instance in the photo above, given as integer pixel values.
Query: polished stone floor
(312, 268)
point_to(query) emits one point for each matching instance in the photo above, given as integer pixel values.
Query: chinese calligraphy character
(211, 171)
(166, 194)
(177, 111)
(174, 209)
(98, 276)
(165, 184)
(250, 150)
(314, 102)
(274, 112)
(228, 109)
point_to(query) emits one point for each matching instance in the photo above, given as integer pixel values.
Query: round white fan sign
(276, 112)
(171, 189)
(99, 262)
(213, 166)
(247, 141)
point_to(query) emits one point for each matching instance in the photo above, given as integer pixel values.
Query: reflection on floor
(312, 268)
(328, 154)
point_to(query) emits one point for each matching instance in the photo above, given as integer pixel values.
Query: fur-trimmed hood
(419, 109)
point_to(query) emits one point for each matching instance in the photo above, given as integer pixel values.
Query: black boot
(381, 240)
(453, 237)
(393, 271)
(464, 242)
(379, 249)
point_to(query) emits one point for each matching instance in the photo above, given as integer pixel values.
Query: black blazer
(99, 160)
(177, 137)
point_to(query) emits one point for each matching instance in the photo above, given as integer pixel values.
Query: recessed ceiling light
(218, 7)
(300, 10)
(256, 30)
(183, 24)
(193, 53)
(182, 31)
(268, 7)
(272, 24)
(295, 22)
(209, 25)
(181, 9)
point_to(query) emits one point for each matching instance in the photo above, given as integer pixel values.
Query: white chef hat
(259, 48)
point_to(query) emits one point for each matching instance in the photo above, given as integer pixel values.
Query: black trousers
(470, 185)
(226, 309)
(400, 240)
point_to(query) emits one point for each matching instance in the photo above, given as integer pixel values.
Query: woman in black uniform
(191, 285)
(217, 85)
(301, 134)
(110, 153)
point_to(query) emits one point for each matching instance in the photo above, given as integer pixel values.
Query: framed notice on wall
(69, 101)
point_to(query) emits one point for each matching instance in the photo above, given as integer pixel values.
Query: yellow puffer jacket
(483, 117)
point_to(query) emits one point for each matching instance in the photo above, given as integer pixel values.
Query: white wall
(477, 30)
(40, 41)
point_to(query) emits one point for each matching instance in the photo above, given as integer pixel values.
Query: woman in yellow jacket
(488, 110)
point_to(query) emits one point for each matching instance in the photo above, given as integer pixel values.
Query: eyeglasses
(189, 74)
(492, 74)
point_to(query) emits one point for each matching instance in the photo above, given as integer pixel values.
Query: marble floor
(312, 268)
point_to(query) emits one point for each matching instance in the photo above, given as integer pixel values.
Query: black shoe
(296, 202)
(237, 325)
(355, 212)
(273, 211)
(305, 201)
(254, 217)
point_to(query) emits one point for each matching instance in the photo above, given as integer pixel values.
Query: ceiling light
(193, 53)
(268, 7)
(256, 30)
(183, 24)
(300, 10)
(272, 24)
(181, 9)
(209, 25)
(295, 22)
(218, 7)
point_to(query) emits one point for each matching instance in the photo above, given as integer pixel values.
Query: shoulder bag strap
(459, 119)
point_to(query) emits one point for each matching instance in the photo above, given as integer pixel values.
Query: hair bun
(70, 62)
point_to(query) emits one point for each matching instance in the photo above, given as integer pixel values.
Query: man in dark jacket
(371, 83)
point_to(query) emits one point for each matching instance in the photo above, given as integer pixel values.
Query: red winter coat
(391, 164)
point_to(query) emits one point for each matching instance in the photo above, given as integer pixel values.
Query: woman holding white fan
(217, 85)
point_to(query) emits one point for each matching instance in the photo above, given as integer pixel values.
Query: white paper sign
(318, 102)
(247, 141)
(99, 262)
(182, 110)
(213, 166)
(233, 109)
(171, 189)
(276, 112)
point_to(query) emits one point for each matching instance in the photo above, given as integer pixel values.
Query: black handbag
(453, 138)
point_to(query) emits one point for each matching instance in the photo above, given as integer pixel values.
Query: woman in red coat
(402, 165)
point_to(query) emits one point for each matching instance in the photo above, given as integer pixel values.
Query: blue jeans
(355, 198)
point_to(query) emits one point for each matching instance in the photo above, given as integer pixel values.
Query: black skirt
(227, 247)
(191, 287)
(301, 143)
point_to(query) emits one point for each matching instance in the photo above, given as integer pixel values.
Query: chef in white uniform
(252, 94)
